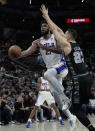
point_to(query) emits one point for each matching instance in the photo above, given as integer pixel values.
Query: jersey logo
(48, 45)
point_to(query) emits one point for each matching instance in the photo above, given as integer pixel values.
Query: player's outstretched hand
(44, 11)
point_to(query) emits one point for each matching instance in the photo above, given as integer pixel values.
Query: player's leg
(50, 100)
(54, 83)
(82, 118)
(39, 101)
(31, 116)
(57, 113)
(51, 76)
(84, 95)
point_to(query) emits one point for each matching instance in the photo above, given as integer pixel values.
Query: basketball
(14, 52)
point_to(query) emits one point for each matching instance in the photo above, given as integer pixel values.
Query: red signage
(78, 20)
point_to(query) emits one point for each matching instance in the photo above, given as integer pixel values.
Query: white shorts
(61, 69)
(44, 96)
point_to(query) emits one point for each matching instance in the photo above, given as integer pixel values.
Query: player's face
(43, 72)
(67, 35)
(44, 29)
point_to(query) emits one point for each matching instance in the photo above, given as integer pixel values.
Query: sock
(59, 118)
(29, 119)
(68, 114)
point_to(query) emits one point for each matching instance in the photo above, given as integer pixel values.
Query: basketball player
(81, 79)
(55, 63)
(44, 95)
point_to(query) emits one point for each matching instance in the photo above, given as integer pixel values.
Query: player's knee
(50, 73)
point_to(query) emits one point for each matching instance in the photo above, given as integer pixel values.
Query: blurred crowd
(18, 94)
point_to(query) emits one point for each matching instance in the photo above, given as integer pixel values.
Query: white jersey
(44, 84)
(44, 95)
(49, 58)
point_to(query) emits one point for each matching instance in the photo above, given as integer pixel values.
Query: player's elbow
(23, 54)
(54, 30)
(67, 50)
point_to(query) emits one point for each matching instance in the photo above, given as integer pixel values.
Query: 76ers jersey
(44, 84)
(49, 58)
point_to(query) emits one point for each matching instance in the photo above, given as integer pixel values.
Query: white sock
(29, 119)
(59, 118)
(68, 114)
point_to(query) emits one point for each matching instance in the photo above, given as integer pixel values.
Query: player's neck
(47, 36)
(72, 41)
(44, 78)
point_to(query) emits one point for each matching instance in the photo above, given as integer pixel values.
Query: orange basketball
(14, 52)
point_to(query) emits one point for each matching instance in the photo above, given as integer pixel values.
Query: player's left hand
(44, 11)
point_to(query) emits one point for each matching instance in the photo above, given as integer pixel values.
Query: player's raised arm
(15, 52)
(59, 35)
(31, 49)
(45, 15)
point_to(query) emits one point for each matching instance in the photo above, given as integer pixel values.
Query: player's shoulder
(53, 37)
(39, 79)
(42, 39)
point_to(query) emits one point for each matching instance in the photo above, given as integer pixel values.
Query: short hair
(44, 69)
(73, 33)
(44, 22)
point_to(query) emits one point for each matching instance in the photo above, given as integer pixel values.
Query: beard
(44, 33)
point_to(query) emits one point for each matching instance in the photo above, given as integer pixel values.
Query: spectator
(19, 113)
(6, 113)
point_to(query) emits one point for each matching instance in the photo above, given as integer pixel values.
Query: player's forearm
(25, 53)
(54, 50)
(51, 49)
(66, 49)
(50, 23)
(28, 52)
(63, 43)
(53, 26)
(31, 49)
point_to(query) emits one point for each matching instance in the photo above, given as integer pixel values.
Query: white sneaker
(11, 123)
(73, 123)
(37, 120)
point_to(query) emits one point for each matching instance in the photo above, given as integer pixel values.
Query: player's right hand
(44, 11)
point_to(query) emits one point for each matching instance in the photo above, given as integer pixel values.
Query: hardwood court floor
(44, 126)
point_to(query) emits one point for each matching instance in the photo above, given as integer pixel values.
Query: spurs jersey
(77, 59)
(51, 59)
(44, 84)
